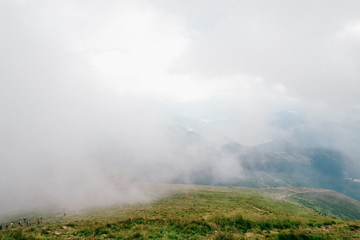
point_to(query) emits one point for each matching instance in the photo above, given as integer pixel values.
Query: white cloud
(351, 31)
(99, 80)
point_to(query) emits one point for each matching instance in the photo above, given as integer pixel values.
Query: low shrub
(299, 236)
(237, 221)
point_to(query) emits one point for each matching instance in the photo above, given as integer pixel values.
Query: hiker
(7, 226)
(38, 221)
(0, 227)
(19, 223)
(27, 223)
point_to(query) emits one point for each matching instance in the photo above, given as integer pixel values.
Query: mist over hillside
(273, 164)
(97, 100)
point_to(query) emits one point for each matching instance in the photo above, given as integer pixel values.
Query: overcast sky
(80, 79)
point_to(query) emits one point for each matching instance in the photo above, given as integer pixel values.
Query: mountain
(285, 164)
(273, 164)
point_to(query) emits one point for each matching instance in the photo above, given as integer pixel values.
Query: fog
(99, 99)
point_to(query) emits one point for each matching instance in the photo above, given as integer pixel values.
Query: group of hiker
(20, 223)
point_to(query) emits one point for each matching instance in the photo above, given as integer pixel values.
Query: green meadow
(205, 212)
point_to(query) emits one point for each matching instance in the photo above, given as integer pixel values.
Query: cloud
(90, 90)
(291, 44)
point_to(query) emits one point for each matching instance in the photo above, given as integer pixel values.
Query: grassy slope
(330, 203)
(199, 212)
(324, 202)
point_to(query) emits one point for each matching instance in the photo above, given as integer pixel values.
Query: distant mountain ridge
(276, 164)
(279, 164)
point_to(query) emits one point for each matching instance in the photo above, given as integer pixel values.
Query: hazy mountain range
(272, 164)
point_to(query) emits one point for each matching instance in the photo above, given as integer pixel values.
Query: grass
(330, 203)
(196, 212)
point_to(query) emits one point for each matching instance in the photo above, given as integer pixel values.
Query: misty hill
(274, 164)
(207, 212)
(284, 164)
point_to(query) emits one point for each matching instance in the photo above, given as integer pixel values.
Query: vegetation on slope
(197, 212)
(322, 201)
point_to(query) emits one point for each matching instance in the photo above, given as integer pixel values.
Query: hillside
(205, 212)
(324, 202)
(274, 164)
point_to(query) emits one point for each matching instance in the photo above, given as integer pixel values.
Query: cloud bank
(96, 96)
